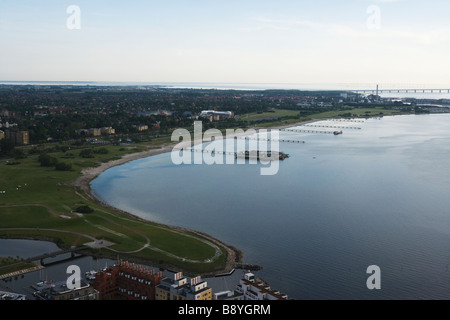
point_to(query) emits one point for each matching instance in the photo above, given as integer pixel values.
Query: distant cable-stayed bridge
(396, 88)
(409, 90)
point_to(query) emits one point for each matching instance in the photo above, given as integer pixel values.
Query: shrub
(101, 151)
(86, 153)
(47, 161)
(84, 209)
(62, 166)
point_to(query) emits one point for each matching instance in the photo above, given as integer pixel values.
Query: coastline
(87, 175)
(234, 256)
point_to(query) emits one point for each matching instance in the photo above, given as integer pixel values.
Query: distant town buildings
(141, 127)
(155, 113)
(95, 132)
(178, 287)
(19, 138)
(107, 130)
(8, 114)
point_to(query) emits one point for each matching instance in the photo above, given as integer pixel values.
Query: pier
(308, 131)
(20, 272)
(346, 120)
(276, 140)
(251, 267)
(259, 155)
(327, 126)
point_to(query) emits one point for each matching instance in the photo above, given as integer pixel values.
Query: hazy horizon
(403, 42)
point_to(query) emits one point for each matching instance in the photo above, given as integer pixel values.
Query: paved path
(106, 245)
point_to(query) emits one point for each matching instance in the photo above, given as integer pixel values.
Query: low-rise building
(60, 291)
(250, 288)
(107, 130)
(141, 127)
(213, 115)
(6, 295)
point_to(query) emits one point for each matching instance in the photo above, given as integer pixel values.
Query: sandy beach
(89, 174)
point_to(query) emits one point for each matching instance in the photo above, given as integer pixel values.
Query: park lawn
(164, 238)
(41, 197)
(357, 112)
(277, 113)
(344, 112)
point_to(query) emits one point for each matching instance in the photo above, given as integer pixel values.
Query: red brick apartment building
(127, 281)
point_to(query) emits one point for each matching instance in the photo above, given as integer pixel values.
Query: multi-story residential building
(175, 286)
(18, 137)
(95, 132)
(127, 281)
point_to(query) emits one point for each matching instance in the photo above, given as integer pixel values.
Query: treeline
(48, 161)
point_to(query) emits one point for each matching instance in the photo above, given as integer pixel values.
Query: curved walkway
(146, 245)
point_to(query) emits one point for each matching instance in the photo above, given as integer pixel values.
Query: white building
(249, 288)
(216, 115)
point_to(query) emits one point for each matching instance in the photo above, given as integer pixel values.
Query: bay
(378, 195)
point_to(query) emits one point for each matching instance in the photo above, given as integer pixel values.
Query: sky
(401, 42)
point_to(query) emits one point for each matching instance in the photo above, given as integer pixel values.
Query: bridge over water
(399, 88)
(54, 254)
(374, 91)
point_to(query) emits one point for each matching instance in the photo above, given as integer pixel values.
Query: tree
(86, 153)
(6, 146)
(84, 209)
(47, 161)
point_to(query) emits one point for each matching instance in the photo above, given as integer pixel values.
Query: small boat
(337, 133)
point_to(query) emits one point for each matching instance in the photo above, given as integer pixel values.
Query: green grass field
(354, 112)
(39, 202)
(278, 113)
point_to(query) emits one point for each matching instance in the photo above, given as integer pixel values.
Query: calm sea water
(264, 86)
(379, 195)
